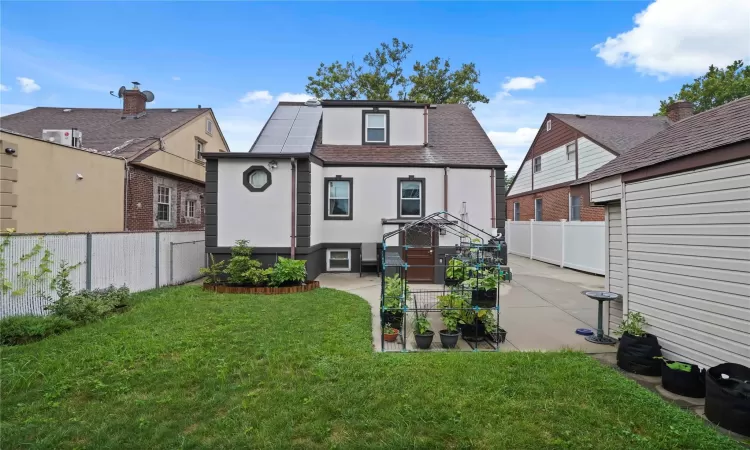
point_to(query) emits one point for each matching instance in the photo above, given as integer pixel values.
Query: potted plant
(393, 312)
(637, 350)
(456, 272)
(483, 288)
(683, 378)
(389, 333)
(449, 305)
(422, 333)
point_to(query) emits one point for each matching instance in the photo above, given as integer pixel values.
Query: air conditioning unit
(71, 138)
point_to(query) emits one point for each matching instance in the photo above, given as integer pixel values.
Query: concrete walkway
(540, 309)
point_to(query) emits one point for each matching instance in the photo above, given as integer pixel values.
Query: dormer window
(375, 127)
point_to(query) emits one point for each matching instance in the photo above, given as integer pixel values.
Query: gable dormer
(378, 123)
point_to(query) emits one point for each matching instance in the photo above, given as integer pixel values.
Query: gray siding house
(678, 231)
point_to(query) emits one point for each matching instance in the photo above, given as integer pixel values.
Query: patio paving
(540, 309)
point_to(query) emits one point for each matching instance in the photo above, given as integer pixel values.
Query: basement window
(338, 260)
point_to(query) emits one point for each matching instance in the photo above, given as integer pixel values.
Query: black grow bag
(395, 318)
(728, 401)
(473, 332)
(689, 384)
(484, 299)
(636, 354)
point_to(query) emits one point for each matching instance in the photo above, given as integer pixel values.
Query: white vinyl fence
(137, 260)
(577, 245)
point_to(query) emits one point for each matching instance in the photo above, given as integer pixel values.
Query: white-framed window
(537, 164)
(410, 198)
(538, 209)
(198, 150)
(190, 209)
(339, 202)
(163, 203)
(575, 208)
(549, 125)
(375, 128)
(516, 211)
(338, 260)
(209, 127)
(570, 150)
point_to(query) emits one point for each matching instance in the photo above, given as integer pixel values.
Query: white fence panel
(584, 246)
(124, 258)
(518, 238)
(547, 242)
(577, 245)
(181, 255)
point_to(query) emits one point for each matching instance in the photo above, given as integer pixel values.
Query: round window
(258, 178)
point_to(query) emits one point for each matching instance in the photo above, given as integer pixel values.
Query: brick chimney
(133, 102)
(679, 110)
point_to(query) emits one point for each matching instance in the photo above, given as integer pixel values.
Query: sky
(613, 58)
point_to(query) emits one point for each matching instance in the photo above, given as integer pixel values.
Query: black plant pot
(424, 340)
(689, 384)
(636, 354)
(498, 336)
(484, 299)
(395, 318)
(449, 339)
(472, 332)
(728, 401)
(451, 282)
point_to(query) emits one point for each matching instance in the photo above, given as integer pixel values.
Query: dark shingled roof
(618, 133)
(104, 130)
(723, 125)
(455, 139)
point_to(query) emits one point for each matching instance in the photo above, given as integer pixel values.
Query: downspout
(294, 208)
(445, 189)
(425, 126)
(493, 199)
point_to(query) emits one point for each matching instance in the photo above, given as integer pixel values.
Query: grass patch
(193, 369)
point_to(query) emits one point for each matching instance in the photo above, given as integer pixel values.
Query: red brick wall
(554, 206)
(140, 208)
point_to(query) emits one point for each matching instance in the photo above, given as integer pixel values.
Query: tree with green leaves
(716, 87)
(381, 76)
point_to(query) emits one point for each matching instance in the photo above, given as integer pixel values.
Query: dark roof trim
(370, 103)
(400, 164)
(251, 155)
(720, 155)
(535, 191)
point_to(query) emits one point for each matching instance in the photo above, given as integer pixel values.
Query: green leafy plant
(633, 324)
(458, 270)
(394, 288)
(90, 306)
(288, 272)
(421, 324)
(241, 266)
(676, 365)
(486, 280)
(214, 271)
(17, 330)
(450, 305)
(388, 329)
(61, 281)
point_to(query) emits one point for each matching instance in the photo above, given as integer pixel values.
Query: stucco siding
(343, 126)
(556, 169)
(606, 189)
(689, 261)
(262, 218)
(591, 156)
(615, 273)
(522, 182)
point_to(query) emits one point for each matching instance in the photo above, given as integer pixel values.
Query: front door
(420, 254)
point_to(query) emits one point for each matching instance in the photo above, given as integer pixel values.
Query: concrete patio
(540, 309)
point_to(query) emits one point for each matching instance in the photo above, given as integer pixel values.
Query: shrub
(90, 306)
(242, 269)
(19, 330)
(214, 271)
(288, 272)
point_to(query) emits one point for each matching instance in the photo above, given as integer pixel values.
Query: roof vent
(581, 116)
(175, 110)
(67, 110)
(312, 102)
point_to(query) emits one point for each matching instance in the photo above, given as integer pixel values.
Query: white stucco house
(677, 214)
(324, 178)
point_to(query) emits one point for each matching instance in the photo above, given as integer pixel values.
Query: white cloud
(521, 83)
(681, 37)
(289, 97)
(27, 85)
(176, 78)
(257, 97)
(4, 88)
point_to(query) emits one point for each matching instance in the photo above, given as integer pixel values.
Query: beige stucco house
(108, 169)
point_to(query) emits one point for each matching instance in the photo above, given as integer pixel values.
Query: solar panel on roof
(291, 129)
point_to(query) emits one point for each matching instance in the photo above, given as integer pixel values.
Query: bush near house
(19, 330)
(242, 270)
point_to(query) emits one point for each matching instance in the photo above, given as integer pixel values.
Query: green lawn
(189, 369)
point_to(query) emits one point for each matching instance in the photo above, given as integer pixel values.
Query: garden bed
(224, 289)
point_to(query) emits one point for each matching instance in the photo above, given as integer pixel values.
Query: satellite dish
(149, 96)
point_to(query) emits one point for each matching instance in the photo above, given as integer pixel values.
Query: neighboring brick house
(164, 175)
(566, 148)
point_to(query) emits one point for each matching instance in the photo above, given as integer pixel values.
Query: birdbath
(601, 297)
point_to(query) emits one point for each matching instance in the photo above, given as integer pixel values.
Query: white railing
(577, 245)
(137, 260)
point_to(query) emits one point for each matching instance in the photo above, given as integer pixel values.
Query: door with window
(420, 253)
